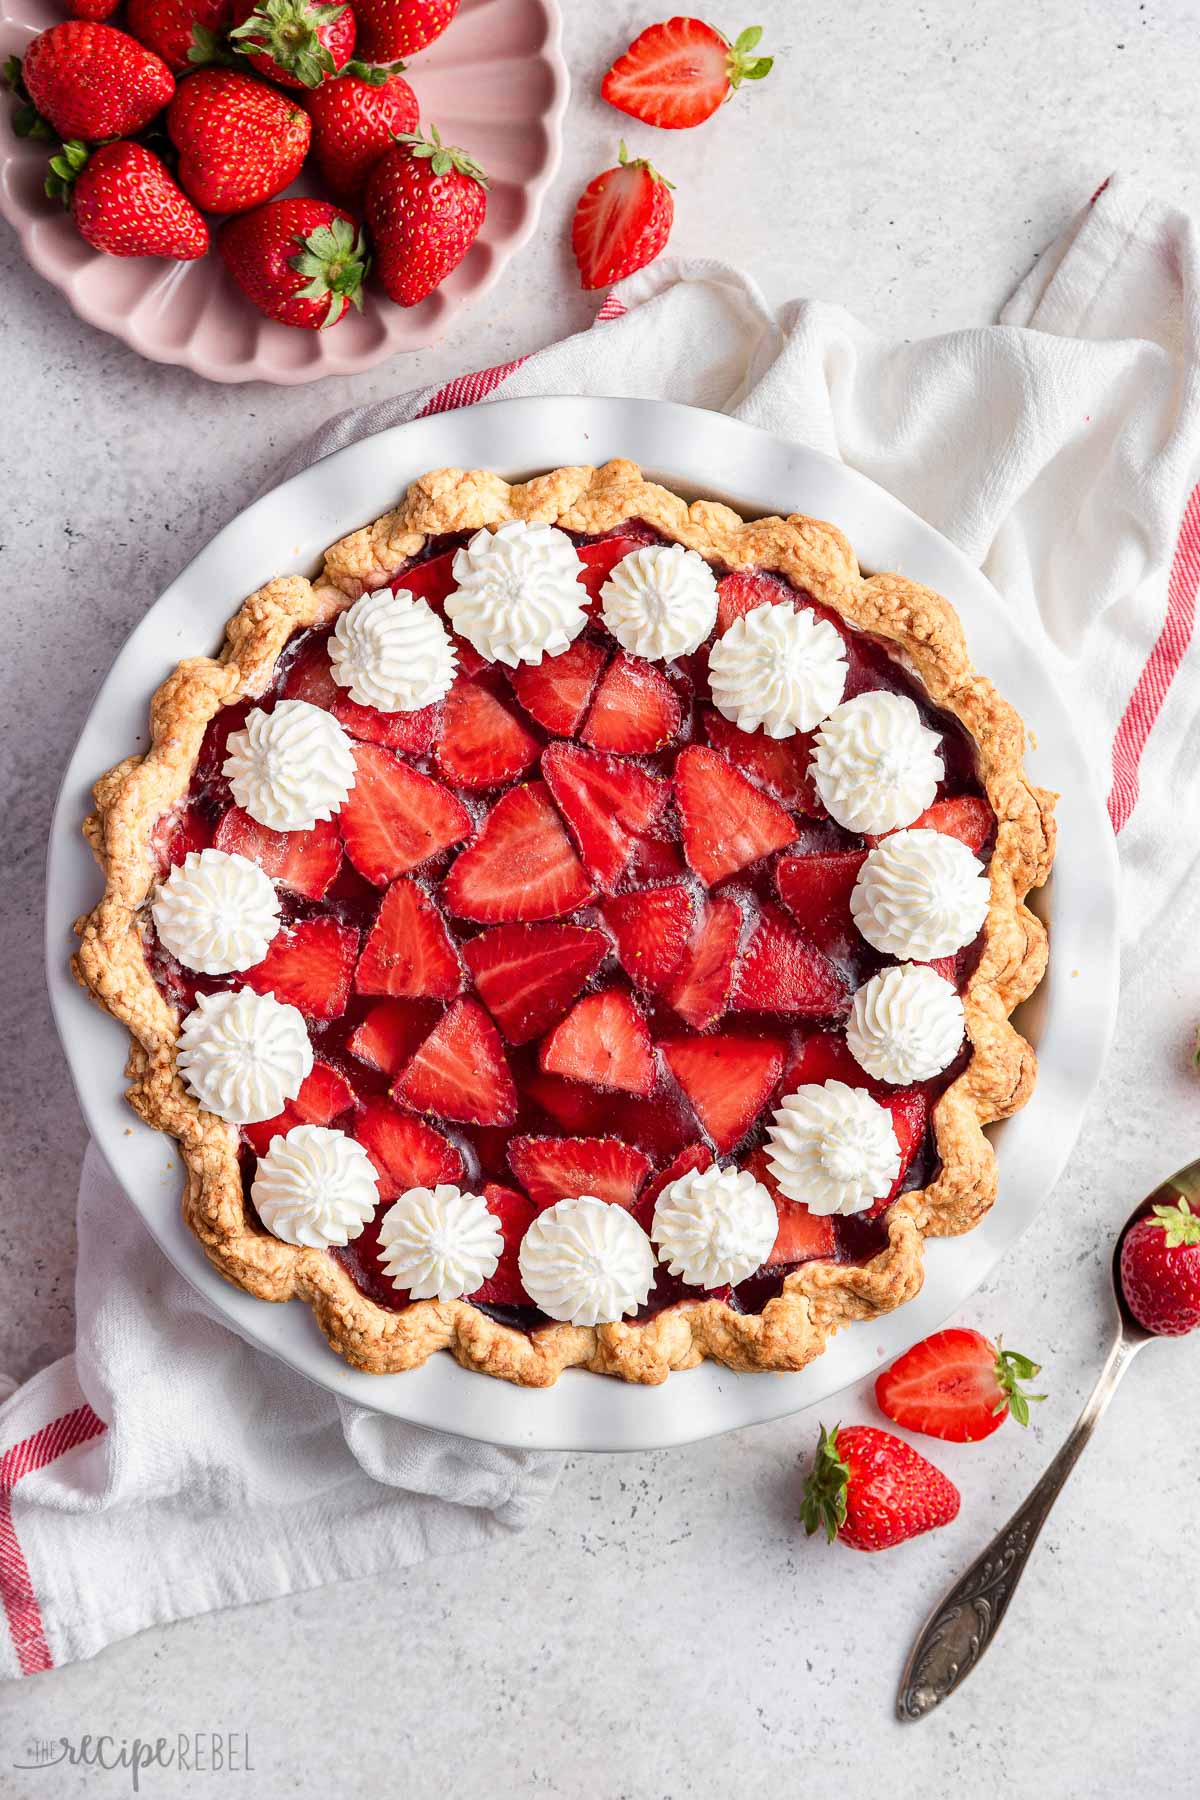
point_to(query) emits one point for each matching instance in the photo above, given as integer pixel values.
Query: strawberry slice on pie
(521, 865)
(515, 1214)
(304, 862)
(460, 1071)
(783, 972)
(407, 1152)
(309, 966)
(481, 743)
(557, 690)
(728, 1078)
(392, 1033)
(604, 1040)
(528, 975)
(608, 804)
(324, 1097)
(635, 710)
(701, 988)
(409, 951)
(781, 767)
(727, 823)
(652, 927)
(395, 818)
(553, 1169)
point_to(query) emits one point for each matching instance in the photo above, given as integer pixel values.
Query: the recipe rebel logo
(193, 1753)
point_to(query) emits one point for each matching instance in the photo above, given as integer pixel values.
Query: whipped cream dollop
(216, 912)
(315, 1187)
(392, 652)
(660, 601)
(439, 1243)
(906, 1024)
(876, 766)
(243, 1055)
(586, 1262)
(833, 1147)
(290, 767)
(519, 596)
(920, 894)
(779, 668)
(714, 1226)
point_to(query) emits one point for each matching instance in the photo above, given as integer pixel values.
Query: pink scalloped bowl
(494, 82)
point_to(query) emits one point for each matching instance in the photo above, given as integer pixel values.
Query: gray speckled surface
(666, 1628)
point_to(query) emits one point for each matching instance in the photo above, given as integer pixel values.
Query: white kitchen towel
(168, 1468)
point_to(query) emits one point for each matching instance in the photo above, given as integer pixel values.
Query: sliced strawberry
(601, 558)
(306, 862)
(700, 990)
(406, 1152)
(410, 732)
(695, 1157)
(392, 1032)
(822, 1056)
(728, 1079)
(432, 580)
(520, 866)
(607, 802)
(582, 1111)
(741, 591)
(956, 1385)
(553, 1169)
(460, 1070)
(515, 1215)
(636, 709)
(309, 675)
(802, 1235)
(308, 966)
(177, 834)
(527, 975)
(652, 927)
(727, 823)
(779, 766)
(783, 972)
(395, 818)
(622, 220)
(409, 951)
(817, 889)
(677, 73)
(556, 691)
(603, 1041)
(481, 743)
(966, 817)
(909, 1108)
(323, 1097)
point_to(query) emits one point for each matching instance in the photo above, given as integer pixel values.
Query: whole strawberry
(298, 43)
(354, 122)
(622, 221)
(301, 262)
(1160, 1270)
(425, 205)
(388, 29)
(239, 141)
(182, 32)
(93, 81)
(124, 202)
(872, 1490)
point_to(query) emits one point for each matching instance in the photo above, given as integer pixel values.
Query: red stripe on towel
(16, 1587)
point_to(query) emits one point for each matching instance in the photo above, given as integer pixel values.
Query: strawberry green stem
(335, 259)
(741, 65)
(66, 165)
(639, 162)
(1011, 1370)
(1180, 1223)
(288, 32)
(824, 1503)
(441, 157)
(27, 121)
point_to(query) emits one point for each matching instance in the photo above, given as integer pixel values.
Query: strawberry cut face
(572, 932)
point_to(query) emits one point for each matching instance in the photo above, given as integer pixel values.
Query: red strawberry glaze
(663, 1127)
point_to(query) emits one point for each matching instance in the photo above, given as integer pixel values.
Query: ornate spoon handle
(959, 1630)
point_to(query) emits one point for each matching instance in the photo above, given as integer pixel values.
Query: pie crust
(818, 1297)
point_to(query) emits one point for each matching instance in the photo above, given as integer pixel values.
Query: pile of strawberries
(213, 106)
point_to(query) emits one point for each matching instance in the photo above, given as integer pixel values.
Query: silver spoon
(962, 1626)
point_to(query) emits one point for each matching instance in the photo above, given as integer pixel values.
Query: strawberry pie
(576, 928)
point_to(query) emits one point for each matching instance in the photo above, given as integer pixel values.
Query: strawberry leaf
(824, 1503)
(1180, 1223)
(441, 157)
(335, 259)
(1011, 1369)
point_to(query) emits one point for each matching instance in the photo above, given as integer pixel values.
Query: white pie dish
(1069, 1020)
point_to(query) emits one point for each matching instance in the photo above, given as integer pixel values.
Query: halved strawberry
(409, 951)
(741, 591)
(695, 1157)
(956, 1385)
(728, 1078)
(527, 975)
(324, 1095)
(601, 558)
(700, 990)
(636, 709)
(306, 862)
(783, 972)
(556, 691)
(603, 1041)
(781, 767)
(178, 833)
(520, 866)
(392, 1032)
(967, 817)
(410, 732)
(395, 818)
(308, 966)
(652, 927)
(515, 1215)
(460, 1070)
(607, 802)
(677, 73)
(817, 889)
(802, 1235)
(406, 1152)
(553, 1169)
(481, 743)
(727, 822)
(622, 220)
(582, 1111)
